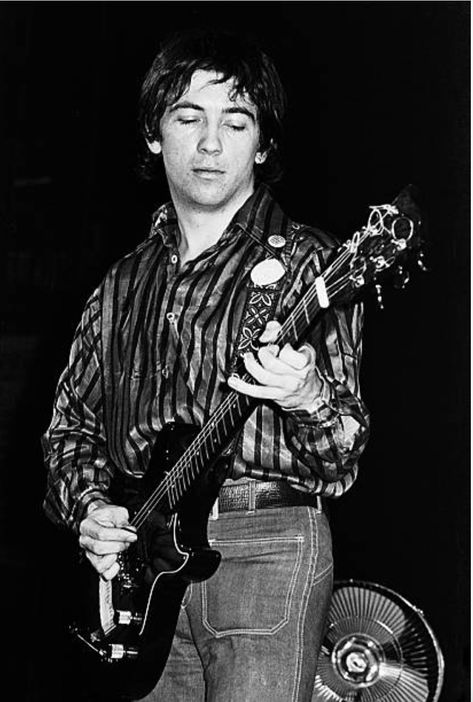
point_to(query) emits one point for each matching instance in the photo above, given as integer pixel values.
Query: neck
(200, 229)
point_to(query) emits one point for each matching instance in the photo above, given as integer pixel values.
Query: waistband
(250, 495)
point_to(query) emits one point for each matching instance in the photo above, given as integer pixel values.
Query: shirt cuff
(86, 501)
(323, 412)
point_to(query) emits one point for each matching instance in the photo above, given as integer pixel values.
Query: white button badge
(276, 241)
(267, 272)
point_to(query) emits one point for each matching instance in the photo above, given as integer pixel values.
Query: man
(156, 344)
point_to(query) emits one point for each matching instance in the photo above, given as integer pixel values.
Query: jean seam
(305, 599)
(323, 574)
(290, 591)
(187, 596)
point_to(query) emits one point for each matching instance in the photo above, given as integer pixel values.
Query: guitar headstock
(385, 244)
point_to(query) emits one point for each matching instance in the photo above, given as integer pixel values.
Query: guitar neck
(226, 421)
(390, 233)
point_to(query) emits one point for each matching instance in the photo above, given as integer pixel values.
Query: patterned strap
(260, 305)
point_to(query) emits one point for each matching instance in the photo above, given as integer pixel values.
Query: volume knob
(119, 652)
(126, 617)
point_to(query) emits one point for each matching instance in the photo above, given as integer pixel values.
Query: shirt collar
(251, 215)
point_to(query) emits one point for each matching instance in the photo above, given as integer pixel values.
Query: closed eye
(237, 127)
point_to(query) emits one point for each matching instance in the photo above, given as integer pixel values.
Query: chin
(208, 197)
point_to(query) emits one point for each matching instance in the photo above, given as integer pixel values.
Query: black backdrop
(379, 97)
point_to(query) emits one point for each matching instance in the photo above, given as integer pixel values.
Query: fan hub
(357, 659)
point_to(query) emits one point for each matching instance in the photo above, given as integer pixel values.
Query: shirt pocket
(252, 590)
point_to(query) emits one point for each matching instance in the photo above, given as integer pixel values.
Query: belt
(262, 494)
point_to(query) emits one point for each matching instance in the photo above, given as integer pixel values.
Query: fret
(219, 438)
(293, 322)
(306, 311)
(186, 478)
(205, 448)
(231, 408)
(171, 500)
(193, 470)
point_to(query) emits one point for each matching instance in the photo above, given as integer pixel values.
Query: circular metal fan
(377, 647)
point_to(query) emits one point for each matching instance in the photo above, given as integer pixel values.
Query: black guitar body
(127, 625)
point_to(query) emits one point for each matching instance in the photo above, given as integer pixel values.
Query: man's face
(209, 144)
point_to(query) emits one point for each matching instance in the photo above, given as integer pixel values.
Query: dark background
(379, 97)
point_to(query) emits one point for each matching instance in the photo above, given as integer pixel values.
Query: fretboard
(218, 432)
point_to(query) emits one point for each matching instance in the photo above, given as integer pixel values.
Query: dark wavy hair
(234, 58)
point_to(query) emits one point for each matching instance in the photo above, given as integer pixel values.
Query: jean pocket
(253, 588)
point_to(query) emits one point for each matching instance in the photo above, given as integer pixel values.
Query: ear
(260, 157)
(154, 147)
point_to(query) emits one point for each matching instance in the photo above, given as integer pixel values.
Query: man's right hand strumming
(104, 533)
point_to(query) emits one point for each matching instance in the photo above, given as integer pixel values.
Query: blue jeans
(251, 633)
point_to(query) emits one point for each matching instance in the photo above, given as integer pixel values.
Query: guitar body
(126, 625)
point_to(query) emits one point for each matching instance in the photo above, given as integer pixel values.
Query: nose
(209, 142)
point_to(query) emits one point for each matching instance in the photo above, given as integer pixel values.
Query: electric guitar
(127, 624)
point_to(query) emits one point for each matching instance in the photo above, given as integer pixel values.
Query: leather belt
(262, 494)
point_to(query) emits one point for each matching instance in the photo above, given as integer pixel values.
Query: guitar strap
(262, 298)
(261, 302)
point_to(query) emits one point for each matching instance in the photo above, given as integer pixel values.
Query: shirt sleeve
(74, 445)
(329, 440)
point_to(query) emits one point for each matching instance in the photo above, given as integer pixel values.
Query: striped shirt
(155, 343)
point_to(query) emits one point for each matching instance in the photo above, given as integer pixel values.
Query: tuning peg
(402, 278)
(420, 262)
(379, 296)
(357, 280)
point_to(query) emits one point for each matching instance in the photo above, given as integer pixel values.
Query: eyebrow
(183, 104)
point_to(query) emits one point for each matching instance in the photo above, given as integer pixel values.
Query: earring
(259, 158)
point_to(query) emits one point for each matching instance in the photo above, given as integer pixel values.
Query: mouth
(208, 172)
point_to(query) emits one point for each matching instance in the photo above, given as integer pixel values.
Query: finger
(273, 363)
(270, 332)
(95, 530)
(262, 392)
(111, 515)
(101, 548)
(101, 563)
(267, 377)
(299, 360)
(106, 566)
(111, 572)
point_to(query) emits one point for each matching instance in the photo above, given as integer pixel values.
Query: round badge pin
(276, 241)
(267, 272)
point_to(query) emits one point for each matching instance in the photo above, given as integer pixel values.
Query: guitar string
(172, 478)
(178, 469)
(171, 481)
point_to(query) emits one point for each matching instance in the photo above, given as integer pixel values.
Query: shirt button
(170, 316)
(165, 372)
(174, 258)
